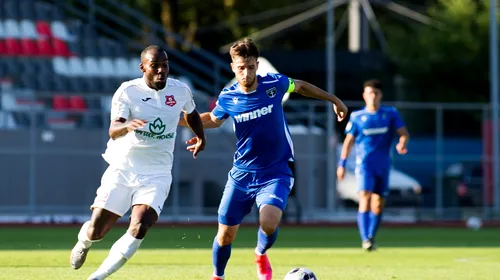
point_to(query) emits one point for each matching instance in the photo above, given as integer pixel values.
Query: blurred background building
(61, 61)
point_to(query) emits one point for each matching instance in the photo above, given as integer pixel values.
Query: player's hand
(341, 110)
(195, 145)
(340, 173)
(135, 124)
(402, 150)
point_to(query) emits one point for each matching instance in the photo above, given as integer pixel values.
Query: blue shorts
(375, 181)
(243, 189)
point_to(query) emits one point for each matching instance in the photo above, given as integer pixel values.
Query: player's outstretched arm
(309, 90)
(120, 127)
(193, 121)
(208, 120)
(346, 150)
(404, 138)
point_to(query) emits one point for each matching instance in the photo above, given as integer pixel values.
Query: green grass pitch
(332, 253)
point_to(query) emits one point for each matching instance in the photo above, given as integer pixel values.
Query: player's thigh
(272, 198)
(235, 204)
(152, 194)
(365, 179)
(113, 197)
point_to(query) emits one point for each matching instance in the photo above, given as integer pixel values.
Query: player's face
(372, 96)
(155, 68)
(245, 70)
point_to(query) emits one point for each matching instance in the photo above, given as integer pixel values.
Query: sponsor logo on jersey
(255, 114)
(156, 129)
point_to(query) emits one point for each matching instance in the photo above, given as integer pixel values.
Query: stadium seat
(89, 47)
(12, 35)
(60, 66)
(106, 67)
(121, 67)
(134, 69)
(28, 37)
(11, 65)
(27, 10)
(60, 47)
(43, 11)
(77, 103)
(60, 31)
(75, 67)
(28, 82)
(11, 9)
(2, 39)
(60, 103)
(44, 82)
(43, 29)
(91, 67)
(44, 47)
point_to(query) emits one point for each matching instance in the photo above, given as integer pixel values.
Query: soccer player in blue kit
(372, 129)
(260, 172)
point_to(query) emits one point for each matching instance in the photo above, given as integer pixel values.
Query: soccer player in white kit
(144, 117)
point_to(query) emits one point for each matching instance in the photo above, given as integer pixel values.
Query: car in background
(404, 190)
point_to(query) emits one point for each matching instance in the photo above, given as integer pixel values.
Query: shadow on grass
(62, 238)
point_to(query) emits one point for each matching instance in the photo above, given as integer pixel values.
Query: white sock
(83, 238)
(123, 249)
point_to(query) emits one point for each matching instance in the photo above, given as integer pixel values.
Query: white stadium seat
(122, 67)
(60, 66)
(91, 67)
(75, 67)
(106, 67)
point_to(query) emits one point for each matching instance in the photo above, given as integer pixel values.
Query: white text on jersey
(254, 114)
(373, 131)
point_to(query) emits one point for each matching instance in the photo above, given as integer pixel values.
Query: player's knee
(269, 219)
(364, 201)
(138, 229)
(225, 237)
(377, 204)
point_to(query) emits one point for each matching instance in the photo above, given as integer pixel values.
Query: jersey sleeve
(286, 83)
(351, 127)
(219, 112)
(120, 107)
(397, 121)
(189, 106)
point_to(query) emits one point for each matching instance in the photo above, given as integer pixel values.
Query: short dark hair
(244, 48)
(374, 83)
(153, 48)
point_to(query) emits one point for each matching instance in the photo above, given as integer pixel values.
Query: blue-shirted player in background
(260, 172)
(373, 130)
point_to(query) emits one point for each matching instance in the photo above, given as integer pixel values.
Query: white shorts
(120, 190)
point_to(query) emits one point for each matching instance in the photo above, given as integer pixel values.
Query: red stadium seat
(77, 103)
(60, 103)
(44, 47)
(12, 46)
(60, 47)
(43, 29)
(28, 47)
(3, 50)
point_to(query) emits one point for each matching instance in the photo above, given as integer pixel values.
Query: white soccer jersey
(148, 150)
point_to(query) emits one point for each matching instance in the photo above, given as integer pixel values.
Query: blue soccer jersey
(263, 143)
(374, 134)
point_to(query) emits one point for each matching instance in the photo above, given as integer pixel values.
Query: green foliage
(447, 61)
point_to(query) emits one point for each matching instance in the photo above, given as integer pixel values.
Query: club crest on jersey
(170, 100)
(271, 92)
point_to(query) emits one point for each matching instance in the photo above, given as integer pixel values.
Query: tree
(447, 61)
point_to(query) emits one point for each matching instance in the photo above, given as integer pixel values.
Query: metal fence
(53, 171)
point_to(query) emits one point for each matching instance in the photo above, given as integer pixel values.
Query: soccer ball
(300, 274)
(474, 223)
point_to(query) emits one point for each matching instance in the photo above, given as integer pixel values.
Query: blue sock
(220, 257)
(264, 242)
(374, 223)
(363, 224)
